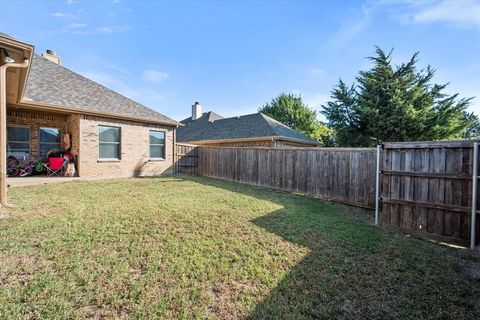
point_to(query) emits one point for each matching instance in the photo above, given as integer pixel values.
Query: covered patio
(32, 133)
(33, 136)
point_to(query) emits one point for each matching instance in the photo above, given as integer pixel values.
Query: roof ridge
(268, 119)
(237, 117)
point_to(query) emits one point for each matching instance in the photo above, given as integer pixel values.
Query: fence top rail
(430, 144)
(290, 148)
(386, 145)
(185, 144)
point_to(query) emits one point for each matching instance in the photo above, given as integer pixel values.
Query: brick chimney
(52, 56)
(196, 111)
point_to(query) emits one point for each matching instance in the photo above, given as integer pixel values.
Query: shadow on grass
(354, 270)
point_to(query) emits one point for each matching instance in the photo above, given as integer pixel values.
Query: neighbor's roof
(209, 116)
(211, 126)
(54, 84)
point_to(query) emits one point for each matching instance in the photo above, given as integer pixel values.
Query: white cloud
(105, 78)
(63, 15)
(139, 92)
(351, 28)
(121, 71)
(125, 81)
(155, 76)
(76, 26)
(105, 30)
(461, 13)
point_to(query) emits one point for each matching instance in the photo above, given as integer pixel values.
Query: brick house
(252, 130)
(49, 106)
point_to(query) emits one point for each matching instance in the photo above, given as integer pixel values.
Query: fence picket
(425, 186)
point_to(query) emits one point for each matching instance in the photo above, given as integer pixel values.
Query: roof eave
(314, 143)
(268, 138)
(73, 110)
(28, 50)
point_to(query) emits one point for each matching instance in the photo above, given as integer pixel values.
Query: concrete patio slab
(14, 182)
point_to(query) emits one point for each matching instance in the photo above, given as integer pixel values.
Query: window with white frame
(49, 139)
(109, 142)
(18, 142)
(157, 144)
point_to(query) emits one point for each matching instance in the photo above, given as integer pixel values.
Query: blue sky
(235, 56)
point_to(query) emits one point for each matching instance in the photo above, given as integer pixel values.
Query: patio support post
(377, 187)
(3, 129)
(473, 220)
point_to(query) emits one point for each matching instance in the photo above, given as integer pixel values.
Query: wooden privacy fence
(339, 174)
(186, 161)
(428, 187)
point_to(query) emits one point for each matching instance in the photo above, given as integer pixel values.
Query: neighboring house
(255, 129)
(48, 104)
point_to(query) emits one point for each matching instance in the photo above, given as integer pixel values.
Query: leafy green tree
(290, 110)
(395, 104)
(324, 134)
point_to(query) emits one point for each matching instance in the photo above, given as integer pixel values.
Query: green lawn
(202, 248)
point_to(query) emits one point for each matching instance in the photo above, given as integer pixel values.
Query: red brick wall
(35, 121)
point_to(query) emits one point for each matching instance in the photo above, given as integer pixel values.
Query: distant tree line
(388, 103)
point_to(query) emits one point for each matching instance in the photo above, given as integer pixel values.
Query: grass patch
(202, 248)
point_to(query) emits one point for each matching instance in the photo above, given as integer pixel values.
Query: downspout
(174, 163)
(3, 129)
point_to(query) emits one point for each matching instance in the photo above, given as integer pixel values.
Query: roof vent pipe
(196, 110)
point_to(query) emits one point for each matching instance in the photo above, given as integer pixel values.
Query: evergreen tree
(395, 104)
(472, 131)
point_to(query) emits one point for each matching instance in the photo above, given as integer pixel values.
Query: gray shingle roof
(55, 84)
(209, 116)
(211, 126)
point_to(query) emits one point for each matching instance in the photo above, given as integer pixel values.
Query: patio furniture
(55, 166)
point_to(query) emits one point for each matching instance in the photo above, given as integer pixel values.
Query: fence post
(377, 187)
(473, 221)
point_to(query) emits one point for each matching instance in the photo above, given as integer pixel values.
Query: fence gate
(186, 161)
(428, 187)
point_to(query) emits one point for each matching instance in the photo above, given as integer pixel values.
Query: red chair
(55, 166)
